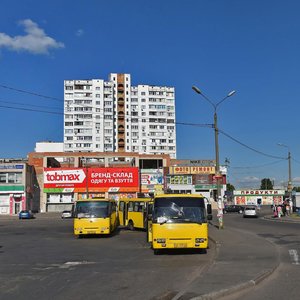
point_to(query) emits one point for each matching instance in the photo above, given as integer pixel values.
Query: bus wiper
(163, 222)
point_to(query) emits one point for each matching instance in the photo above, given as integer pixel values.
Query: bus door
(122, 213)
(147, 213)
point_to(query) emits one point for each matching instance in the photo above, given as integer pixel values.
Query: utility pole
(218, 174)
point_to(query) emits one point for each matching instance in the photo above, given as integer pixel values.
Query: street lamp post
(215, 126)
(289, 187)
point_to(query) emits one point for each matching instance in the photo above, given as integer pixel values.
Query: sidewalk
(242, 261)
(294, 218)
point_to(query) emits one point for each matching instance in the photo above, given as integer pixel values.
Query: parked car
(233, 209)
(250, 211)
(26, 214)
(66, 214)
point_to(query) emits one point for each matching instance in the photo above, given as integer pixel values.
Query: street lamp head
(196, 89)
(231, 93)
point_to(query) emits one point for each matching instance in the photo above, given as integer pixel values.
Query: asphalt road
(41, 259)
(284, 282)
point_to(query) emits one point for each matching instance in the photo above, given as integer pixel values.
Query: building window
(10, 177)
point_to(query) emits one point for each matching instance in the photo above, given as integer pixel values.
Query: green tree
(266, 184)
(230, 187)
(296, 188)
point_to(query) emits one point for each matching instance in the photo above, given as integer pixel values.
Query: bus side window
(141, 206)
(114, 207)
(121, 206)
(136, 206)
(130, 206)
(109, 208)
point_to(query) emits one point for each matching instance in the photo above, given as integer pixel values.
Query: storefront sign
(206, 186)
(198, 162)
(192, 170)
(180, 179)
(10, 167)
(259, 192)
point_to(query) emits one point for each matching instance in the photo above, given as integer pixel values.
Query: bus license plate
(180, 245)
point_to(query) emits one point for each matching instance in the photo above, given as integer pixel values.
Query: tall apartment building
(113, 116)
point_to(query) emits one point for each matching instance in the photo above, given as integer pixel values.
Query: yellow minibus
(179, 221)
(133, 212)
(95, 216)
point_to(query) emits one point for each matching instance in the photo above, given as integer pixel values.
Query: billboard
(64, 178)
(91, 179)
(113, 177)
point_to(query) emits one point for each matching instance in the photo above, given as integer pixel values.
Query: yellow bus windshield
(92, 209)
(179, 210)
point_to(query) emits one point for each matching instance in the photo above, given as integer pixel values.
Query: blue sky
(252, 47)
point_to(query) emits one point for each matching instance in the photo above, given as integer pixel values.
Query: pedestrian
(287, 209)
(291, 206)
(283, 209)
(279, 211)
(275, 211)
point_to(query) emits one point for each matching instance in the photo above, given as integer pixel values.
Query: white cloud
(248, 182)
(249, 179)
(35, 41)
(79, 32)
(296, 180)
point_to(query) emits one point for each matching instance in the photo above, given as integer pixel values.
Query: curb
(237, 288)
(281, 220)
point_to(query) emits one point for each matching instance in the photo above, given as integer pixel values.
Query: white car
(66, 214)
(250, 211)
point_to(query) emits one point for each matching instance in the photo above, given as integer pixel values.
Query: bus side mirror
(209, 210)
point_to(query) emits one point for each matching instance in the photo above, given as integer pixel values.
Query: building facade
(114, 116)
(195, 177)
(18, 187)
(64, 177)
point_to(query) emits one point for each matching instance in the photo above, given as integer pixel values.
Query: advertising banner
(64, 178)
(113, 177)
(91, 179)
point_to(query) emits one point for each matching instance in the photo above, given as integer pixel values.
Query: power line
(298, 162)
(128, 117)
(34, 110)
(18, 103)
(250, 148)
(259, 166)
(30, 93)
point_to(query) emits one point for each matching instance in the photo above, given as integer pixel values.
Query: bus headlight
(200, 240)
(161, 241)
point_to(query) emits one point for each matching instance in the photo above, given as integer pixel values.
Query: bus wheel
(156, 251)
(130, 225)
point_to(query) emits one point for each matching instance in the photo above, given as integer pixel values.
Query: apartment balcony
(120, 115)
(121, 129)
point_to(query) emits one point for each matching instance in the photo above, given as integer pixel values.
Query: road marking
(69, 264)
(294, 256)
